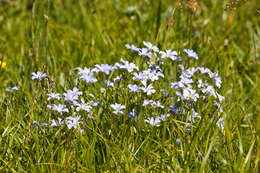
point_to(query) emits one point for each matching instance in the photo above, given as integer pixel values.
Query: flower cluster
(182, 95)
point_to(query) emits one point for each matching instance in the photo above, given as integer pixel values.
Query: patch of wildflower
(182, 96)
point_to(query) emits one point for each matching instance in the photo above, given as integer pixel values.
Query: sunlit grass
(56, 36)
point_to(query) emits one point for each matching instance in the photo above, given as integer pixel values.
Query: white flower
(53, 96)
(86, 74)
(95, 104)
(110, 84)
(60, 108)
(56, 124)
(133, 88)
(153, 103)
(140, 76)
(193, 115)
(145, 52)
(157, 105)
(202, 84)
(221, 124)
(117, 79)
(150, 46)
(216, 79)
(88, 77)
(118, 108)
(163, 117)
(204, 70)
(220, 97)
(190, 94)
(72, 95)
(177, 85)
(84, 106)
(106, 68)
(38, 75)
(126, 65)
(153, 121)
(11, 89)
(153, 75)
(73, 122)
(83, 71)
(148, 89)
(132, 47)
(191, 53)
(219, 107)
(169, 54)
(147, 102)
(133, 113)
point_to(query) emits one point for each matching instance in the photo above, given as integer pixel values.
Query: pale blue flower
(133, 88)
(145, 52)
(53, 96)
(169, 54)
(219, 107)
(174, 109)
(153, 103)
(95, 104)
(191, 53)
(147, 102)
(133, 113)
(193, 115)
(151, 47)
(127, 66)
(12, 89)
(59, 108)
(118, 78)
(164, 117)
(109, 84)
(157, 104)
(153, 121)
(55, 123)
(118, 108)
(73, 122)
(72, 95)
(148, 89)
(106, 68)
(88, 77)
(84, 106)
(38, 75)
(216, 79)
(140, 76)
(132, 47)
(190, 94)
(221, 124)
(83, 71)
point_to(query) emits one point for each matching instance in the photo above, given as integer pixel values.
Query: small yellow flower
(2, 64)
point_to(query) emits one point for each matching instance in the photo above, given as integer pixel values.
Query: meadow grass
(57, 36)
